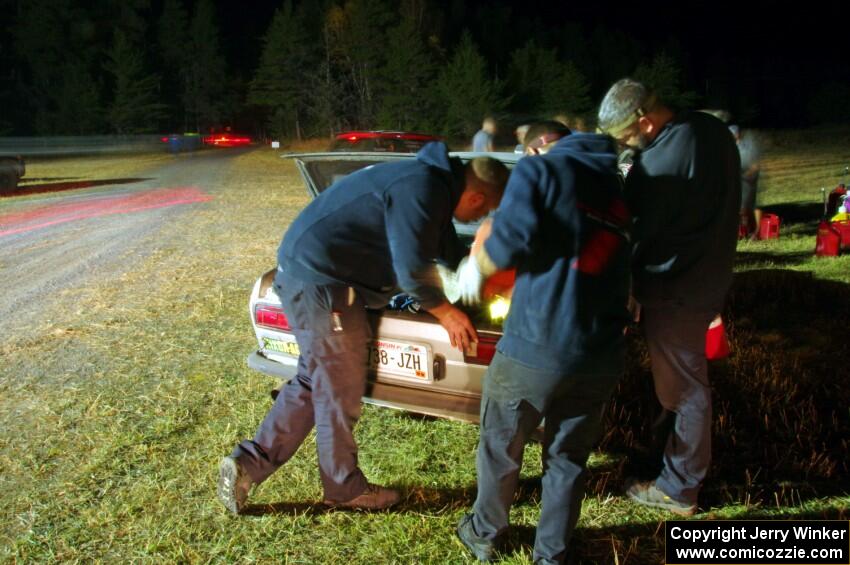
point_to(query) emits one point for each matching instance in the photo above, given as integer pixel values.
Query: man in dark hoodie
(684, 190)
(564, 227)
(375, 231)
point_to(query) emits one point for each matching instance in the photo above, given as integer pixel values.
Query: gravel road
(53, 246)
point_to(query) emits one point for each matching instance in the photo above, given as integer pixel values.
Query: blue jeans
(676, 340)
(572, 406)
(332, 331)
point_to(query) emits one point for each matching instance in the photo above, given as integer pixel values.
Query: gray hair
(624, 102)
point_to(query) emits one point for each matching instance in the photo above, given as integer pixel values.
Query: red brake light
(226, 140)
(271, 316)
(481, 353)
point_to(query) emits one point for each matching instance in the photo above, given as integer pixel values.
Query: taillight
(481, 353)
(271, 317)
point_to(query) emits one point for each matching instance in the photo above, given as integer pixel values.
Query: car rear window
(379, 144)
(326, 172)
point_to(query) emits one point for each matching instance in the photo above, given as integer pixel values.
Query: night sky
(776, 55)
(768, 63)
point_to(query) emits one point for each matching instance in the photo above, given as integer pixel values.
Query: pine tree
(357, 47)
(466, 92)
(174, 51)
(664, 76)
(405, 97)
(204, 96)
(57, 47)
(279, 85)
(135, 105)
(545, 86)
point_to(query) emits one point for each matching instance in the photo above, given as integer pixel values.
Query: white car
(413, 365)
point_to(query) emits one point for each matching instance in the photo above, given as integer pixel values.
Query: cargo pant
(676, 340)
(511, 410)
(332, 331)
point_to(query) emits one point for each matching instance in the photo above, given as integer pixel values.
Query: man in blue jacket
(375, 231)
(684, 190)
(564, 226)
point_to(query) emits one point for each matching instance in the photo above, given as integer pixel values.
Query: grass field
(113, 422)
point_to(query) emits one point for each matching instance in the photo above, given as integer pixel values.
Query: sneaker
(648, 494)
(373, 498)
(233, 484)
(483, 549)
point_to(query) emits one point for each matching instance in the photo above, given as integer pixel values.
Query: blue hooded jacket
(381, 229)
(563, 224)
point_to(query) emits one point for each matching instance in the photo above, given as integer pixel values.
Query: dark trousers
(332, 331)
(572, 406)
(676, 341)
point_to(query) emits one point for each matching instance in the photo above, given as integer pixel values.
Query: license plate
(287, 347)
(398, 359)
(392, 359)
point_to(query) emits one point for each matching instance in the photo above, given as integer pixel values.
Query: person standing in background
(482, 141)
(750, 170)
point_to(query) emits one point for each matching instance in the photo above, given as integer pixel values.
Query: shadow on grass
(798, 218)
(528, 491)
(641, 543)
(288, 508)
(747, 258)
(71, 185)
(780, 423)
(797, 212)
(637, 543)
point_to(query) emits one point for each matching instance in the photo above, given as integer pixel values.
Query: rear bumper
(419, 401)
(271, 368)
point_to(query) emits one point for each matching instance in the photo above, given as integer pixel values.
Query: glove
(448, 279)
(469, 281)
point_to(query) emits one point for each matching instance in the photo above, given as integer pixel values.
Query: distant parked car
(413, 365)
(182, 142)
(12, 168)
(384, 141)
(227, 140)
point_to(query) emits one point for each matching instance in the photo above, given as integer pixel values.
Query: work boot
(648, 494)
(481, 548)
(233, 484)
(373, 498)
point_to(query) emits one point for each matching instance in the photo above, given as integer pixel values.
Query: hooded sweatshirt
(563, 224)
(381, 229)
(685, 191)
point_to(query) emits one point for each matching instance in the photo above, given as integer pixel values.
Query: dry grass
(95, 168)
(111, 423)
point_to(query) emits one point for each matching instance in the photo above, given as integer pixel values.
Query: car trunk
(450, 383)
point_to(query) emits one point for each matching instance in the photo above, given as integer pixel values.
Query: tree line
(140, 66)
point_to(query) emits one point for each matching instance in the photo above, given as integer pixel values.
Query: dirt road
(54, 243)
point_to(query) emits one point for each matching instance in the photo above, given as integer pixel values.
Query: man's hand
(469, 281)
(457, 324)
(634, 308)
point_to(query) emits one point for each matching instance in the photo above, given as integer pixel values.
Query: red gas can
(828, 243)
(769, 227)
(716, 343)
(843, 229)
